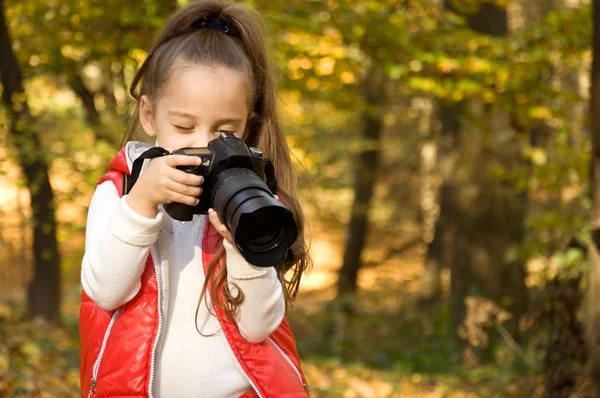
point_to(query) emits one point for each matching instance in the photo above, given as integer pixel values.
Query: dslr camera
(263, 228)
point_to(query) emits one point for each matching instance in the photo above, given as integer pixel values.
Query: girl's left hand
(220, 227)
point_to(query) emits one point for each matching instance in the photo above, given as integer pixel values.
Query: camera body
(225, 152)
(263, 228)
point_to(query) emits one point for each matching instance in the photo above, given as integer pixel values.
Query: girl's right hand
(161, 182)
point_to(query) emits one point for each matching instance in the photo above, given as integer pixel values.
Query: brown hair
(239, 46)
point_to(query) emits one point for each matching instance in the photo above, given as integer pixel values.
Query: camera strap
(270, 174)
(136, 169)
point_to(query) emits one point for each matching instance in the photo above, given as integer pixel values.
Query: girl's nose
(200, 139)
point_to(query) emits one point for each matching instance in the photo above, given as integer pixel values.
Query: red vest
(118, 347)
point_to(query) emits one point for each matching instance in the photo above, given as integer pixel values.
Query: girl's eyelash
(191, 128)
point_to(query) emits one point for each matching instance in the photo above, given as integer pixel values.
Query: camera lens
(262, 227)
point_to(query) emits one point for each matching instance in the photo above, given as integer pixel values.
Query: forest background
(448, 160)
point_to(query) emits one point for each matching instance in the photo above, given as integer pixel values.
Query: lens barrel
(262, 227)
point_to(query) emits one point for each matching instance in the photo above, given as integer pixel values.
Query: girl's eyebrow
(232, 120)
(181, 113)
(218, 122)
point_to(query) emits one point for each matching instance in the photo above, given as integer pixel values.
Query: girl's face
(195, 106)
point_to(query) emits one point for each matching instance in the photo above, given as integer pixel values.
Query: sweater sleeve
(117, 243)
(263, 307)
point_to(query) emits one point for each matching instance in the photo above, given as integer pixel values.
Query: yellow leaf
(540, 113)
(73, 377)
(447, 65)
(4, 362)
(325, 66)
(71, 52)
(347, 77)
(312, 84)
(138, 54)
(537, 155)
(32, 352)
(5, 311)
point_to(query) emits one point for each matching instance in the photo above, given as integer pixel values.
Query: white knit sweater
(118, 241)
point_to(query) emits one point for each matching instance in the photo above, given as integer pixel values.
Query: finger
(277, 197)
(183, 189)
(186, 178)
(183, 160)
(184, 199)
(221, 229)
(214, 218)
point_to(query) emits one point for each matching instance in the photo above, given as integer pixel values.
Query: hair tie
(222, 25)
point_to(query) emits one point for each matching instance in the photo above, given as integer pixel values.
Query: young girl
(171, 309)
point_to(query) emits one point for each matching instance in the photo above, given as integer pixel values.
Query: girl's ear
(147, 116)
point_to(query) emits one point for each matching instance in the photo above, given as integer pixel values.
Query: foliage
(323, 50)
(36, 359)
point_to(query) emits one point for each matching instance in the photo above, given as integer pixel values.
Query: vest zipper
(235, 360)
(101, 353)
(155, 346)
(222, 333)
(288, 360)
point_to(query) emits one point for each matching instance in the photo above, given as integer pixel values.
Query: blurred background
(443, 150)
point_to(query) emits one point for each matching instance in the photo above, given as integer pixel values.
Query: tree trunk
(43, 298)
(439, 249)
(86, 96)
(593, 327)
(365, 174)
(92, 115)
(108, 88)
(482, 218)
